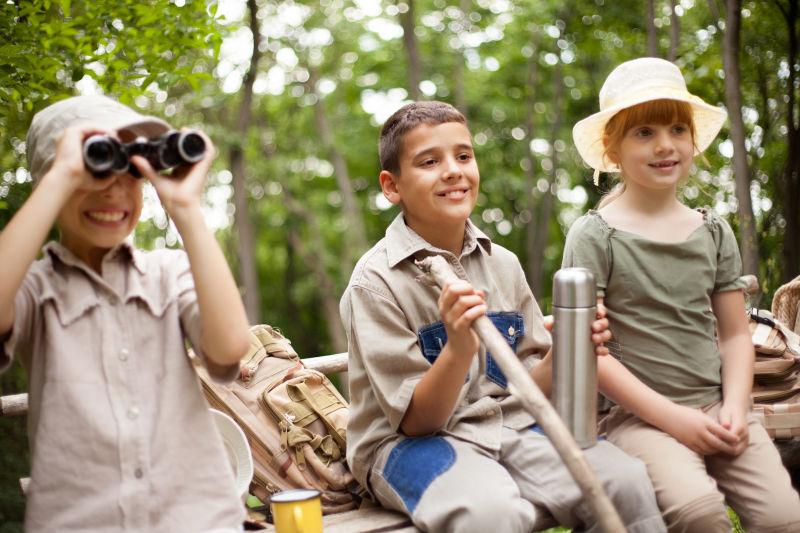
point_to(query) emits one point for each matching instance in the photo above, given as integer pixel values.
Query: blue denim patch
(432, 339)
(512, 327)
(413, 465)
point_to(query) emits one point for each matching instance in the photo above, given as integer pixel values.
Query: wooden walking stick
(521, 385)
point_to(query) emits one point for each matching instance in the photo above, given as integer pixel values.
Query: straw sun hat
(635, 82)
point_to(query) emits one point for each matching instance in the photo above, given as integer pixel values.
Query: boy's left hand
(600, 332)
(183, 189)
(734, 419)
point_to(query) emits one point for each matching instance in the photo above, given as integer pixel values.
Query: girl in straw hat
(669, 277)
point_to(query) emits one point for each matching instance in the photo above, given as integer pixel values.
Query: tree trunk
(733, 100)
(548, 198)
(356, 236)
(530, 172)
(459, 99)
(674, 31)
(242, 222)
(312, 255)
(652, 36)
(791, 173)
(412, 52)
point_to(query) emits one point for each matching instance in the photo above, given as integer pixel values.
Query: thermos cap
(574, 287)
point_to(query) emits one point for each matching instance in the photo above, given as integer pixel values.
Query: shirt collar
(403, 242)
(125, 251)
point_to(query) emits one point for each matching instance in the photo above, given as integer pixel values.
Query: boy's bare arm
(224, 325)
(24, 235)
(436, 394)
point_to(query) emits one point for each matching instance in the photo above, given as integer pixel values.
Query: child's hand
(700, 433)
(459, 306)
(600, 332)
(68, 167)
(734, 419)
(183, 189)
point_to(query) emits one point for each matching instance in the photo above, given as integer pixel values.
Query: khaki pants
(692, 489)
(446, 484)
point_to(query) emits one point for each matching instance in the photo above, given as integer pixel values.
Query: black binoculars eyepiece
(103, 154)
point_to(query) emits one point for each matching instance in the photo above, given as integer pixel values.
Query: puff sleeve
(588, 246)
(729, 262)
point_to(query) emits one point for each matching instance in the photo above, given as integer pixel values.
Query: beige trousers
(692, 489)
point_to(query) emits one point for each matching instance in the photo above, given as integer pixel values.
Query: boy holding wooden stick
(434, 431)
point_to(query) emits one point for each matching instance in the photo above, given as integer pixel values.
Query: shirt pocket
(432, 339)
(511, 326)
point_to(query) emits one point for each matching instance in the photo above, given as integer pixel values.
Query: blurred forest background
(293, 93)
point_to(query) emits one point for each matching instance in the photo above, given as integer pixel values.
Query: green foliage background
(184, 60)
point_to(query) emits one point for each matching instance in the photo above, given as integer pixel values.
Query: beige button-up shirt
(395, 333)
(121, 437)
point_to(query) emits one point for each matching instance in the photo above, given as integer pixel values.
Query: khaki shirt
(395, 333)
(120, 435)
(658, 298)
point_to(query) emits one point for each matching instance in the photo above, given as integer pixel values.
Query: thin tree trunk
(548, 198)
(733, 100)
(530, 172)
(412, 52)
(458, 66)
(674, 31)
(791, 173)
(312, 255)
(356, 237)
(242, 222)
(652, 36)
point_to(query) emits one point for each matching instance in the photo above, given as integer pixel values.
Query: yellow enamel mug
(297, 511)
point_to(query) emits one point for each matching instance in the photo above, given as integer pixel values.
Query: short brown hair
(406, 119)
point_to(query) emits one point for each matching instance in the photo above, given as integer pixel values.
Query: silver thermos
(574, 360)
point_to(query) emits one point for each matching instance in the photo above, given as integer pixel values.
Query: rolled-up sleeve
(18, 339)
(385, 349)
(729, 262)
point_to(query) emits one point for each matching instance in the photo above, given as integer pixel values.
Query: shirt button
(138, 473)
(133, 412)
(511, 330)
(123, 354)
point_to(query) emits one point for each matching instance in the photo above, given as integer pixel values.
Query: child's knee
(706, 513)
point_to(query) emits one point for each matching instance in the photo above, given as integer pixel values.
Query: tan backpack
(776, 380)
(294, 419)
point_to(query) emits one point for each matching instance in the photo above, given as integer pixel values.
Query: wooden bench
(372, 519)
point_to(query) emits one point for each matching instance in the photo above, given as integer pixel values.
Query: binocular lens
(191, 147)
(101, 154)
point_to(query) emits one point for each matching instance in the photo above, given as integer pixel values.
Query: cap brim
(587, 134)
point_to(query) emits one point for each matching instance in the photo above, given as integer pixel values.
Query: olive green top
(658, 296)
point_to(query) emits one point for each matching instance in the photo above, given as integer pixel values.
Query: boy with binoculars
(118, 426)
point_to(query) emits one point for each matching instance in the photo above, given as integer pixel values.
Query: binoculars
(103, 154)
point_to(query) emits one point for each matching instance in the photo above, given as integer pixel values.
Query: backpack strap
(303, 392)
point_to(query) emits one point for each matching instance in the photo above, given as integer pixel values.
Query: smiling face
(655, 155)
(93, 222)
(437, 184)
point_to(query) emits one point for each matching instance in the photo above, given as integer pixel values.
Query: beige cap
(635, 82)
(48, 124)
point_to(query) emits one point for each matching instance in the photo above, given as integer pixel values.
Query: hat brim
(237, 450)
(587, 134)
